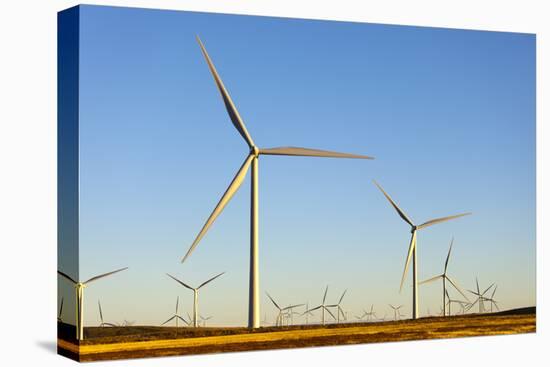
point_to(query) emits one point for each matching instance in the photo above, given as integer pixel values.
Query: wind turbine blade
(177, 304)
(61, 307)
(342, 296)
(272, 300)
(291, 307)
(167, 321)
(448, 256)
(228, 194)
(330, 313)
(492, 295)
(396, 207)
(489, 287)
(458, 288)
(407, 262)
(307, 152)
(209, 280)
(431, 279)
(228, 102)
(66, 277)
(180, 282)
(104, 275)
(325, 296)
(314, 309)
(477, 285)
(100, 311)
(439, 220)
(182, 319)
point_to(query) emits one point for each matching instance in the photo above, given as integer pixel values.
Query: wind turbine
(324, 308)
(370, 314)
(102, 324)
(396, 311)
(79, 290)
(60, 311)
(307, 313)
(444, 277)
(280, 315)
(480, 297)
(339, 309)
(204, 319)
(195, 295)
(450, 301)
(491, 299)
(251, 161)
(412, 246)
(176, 316)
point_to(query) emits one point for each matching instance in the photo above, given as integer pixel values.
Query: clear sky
(448, 114)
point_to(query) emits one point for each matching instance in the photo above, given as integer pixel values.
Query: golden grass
(215, 340)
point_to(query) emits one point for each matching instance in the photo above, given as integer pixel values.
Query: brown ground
(147, 341)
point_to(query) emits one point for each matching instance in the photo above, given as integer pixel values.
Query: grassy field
(147, 341)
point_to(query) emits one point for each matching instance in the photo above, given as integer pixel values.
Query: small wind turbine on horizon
(444, 277)
(251, 161)
(103, 323)
(205, 319)
(480, 297)
(307, 313)
(491, 299)
(370, 314)
(396, 312)
(324, 308)
(79, 290)
(279, 320)
(339, 310)
(195, 295)
(176, 316)
(412, 246)
(450, 301)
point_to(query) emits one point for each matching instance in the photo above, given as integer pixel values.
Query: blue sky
(448, 114)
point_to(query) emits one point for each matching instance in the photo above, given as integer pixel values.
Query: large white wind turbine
(79, 290)
(251, 161)
(324, 308)
(444, 277)
(176, 316)
(195, 295)
(412, 246)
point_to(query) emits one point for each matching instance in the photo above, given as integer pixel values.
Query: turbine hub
(413, 229)
(255, 151)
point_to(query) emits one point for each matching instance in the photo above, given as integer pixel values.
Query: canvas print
(233, 183)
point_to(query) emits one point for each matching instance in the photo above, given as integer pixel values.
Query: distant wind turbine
(251, 161)
(282, 310)
(491, 299)
(79, 290)
(204, 319)
(396, 312)
(196, 295)
(444, 277)
(103, 323)
(176, 316)
(371, 314)
(412, 246)
(480, 297)
(307, 313)
(324, 308)
(339, 310)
